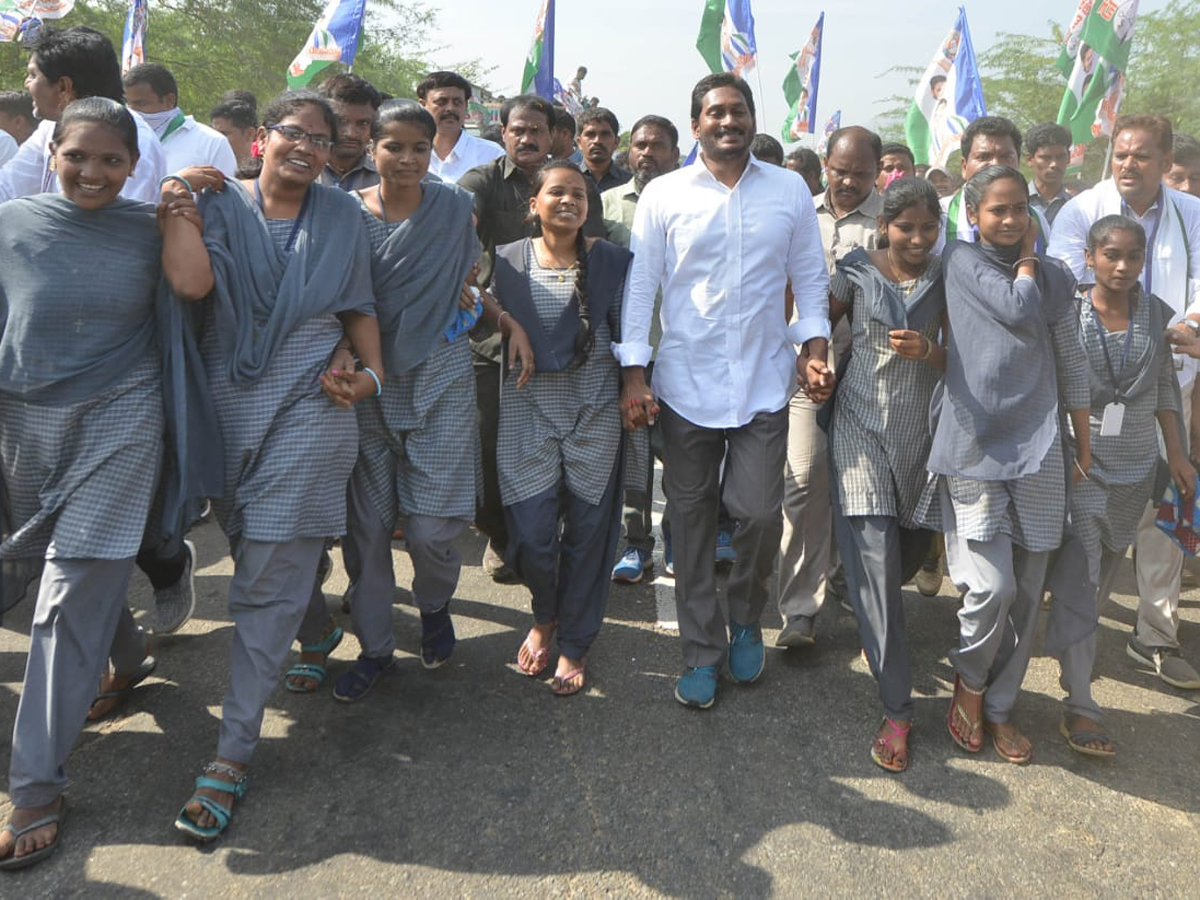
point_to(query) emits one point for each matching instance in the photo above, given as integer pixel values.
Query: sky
(641, 55)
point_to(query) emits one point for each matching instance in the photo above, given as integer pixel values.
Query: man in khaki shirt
(848, 214)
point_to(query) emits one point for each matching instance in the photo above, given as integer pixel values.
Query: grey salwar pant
(367, 553)
(1003, 584)
(1078, 659)
(78, 604)
(271, 590)
(753, 494)
(877, 554)
(570, 575)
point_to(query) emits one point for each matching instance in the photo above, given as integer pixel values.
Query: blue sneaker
(697, 687)
(668, 556)
(725, 552)
(632, 566)
(746, 658)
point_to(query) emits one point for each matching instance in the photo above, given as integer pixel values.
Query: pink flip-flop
(538, 659)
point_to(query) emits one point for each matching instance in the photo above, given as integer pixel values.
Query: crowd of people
(346, 316)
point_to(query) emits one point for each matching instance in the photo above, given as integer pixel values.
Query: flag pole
(762, 95)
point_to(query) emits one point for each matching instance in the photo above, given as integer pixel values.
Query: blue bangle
(378, 384)
(187, 184)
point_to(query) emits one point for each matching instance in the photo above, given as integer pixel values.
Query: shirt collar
(365, 164)
(702, 171)
(508, 168)
(871, 207)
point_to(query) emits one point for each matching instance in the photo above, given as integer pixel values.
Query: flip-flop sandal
(1078, 741)
(1000, 743)
(314, 671)
(958, 714)
(120, 695)
(437, 637)
(561, 685)
(538, 659)
(12, 863)
(877, 745)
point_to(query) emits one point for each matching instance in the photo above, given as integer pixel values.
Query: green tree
(215, 46)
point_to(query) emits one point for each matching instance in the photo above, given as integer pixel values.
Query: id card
(1114, 415)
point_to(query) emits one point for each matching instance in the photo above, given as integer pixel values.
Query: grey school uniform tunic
(288, 449)
(880, 437)
(1107, 507)
(418, 442)
(562, 425)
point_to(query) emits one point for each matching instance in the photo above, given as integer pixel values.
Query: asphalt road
(475, 781)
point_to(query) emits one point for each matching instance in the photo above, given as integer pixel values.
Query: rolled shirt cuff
(812, 327)
(632, 354)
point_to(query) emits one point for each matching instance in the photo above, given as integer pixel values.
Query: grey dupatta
(263, 293)
(999, 397)
(77, 296)
(883, 303)
(418, 273)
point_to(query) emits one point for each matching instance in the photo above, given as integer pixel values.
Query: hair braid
(585, 338)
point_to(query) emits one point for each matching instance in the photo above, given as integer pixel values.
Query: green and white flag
(334, 39)
(949, 97)
(726, 38)
(1093, 59)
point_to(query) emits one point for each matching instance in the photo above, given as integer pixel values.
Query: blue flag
(334, 39)
(133, 47)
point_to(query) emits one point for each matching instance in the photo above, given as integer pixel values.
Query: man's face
(448, 106)
(354, 131)
(893, 162)
(1139, 166)
(1049, 165)
(597, 142)
(562, 143)
(241, 140)
(989, 150)
(651, 153)
(526, 138)
(18, 126)
(1182, 177)
(726, 125)
(851, 170)
(141, 98)
(49, 98)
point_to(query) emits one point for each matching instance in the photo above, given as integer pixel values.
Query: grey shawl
(263, 293)
(996, 414)
(883, 303)
(418, 273)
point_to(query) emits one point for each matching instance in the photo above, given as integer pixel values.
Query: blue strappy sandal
(437, 637)
(236, 785)
(315, 671)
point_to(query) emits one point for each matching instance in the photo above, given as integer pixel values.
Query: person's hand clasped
(178, 202)
(816, 378)
(910, 344)
(203, 178)
(346, 387)
(638, 407)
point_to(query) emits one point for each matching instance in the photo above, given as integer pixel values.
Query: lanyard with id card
(1114, 412)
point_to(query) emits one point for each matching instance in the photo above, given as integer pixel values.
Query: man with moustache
(848, 216)
(445, 96)
(653, 151)
(598, 140)
(725, 369)
(1141, 158)
(501, 189)
(355, 102)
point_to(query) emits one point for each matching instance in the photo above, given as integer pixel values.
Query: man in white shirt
(8, 147)
(722, 238)
(150, 90)
(16, 115)
(445, 96)
(1141, 156)
(68, 65)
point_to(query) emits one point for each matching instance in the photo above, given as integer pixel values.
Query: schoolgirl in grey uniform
(998, 485)
(418, 442)
(558, 453)
(1134, 398)
(879, 440)
(291, 261)
(82, 407)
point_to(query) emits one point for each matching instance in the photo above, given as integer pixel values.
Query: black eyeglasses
(296, 135)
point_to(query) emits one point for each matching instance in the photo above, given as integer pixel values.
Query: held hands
(202, 178)
(177, 202)
(346, 387)
(638, 406)
(816, 378)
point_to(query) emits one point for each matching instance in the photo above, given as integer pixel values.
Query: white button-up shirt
(723, 257)
(29, 171)
(468, 153)
(8, 147)
(194, 144)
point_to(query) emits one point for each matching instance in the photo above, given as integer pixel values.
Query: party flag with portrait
(800, 86)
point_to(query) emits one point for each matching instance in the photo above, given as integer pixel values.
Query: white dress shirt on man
(468, 153)
(723, 258)
(194, 144)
